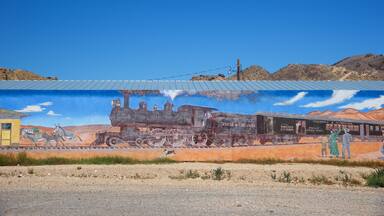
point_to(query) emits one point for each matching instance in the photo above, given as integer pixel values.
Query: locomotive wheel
(239, 140)
(222, 142)
(200, 139)
(139, 141)
(114, 140)
(156, 142)
(210, 141)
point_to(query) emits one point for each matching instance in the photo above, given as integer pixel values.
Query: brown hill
(362, 67)
(9, 74)
(253, 72)
(370, 65)
(208, 77)
(350, 113)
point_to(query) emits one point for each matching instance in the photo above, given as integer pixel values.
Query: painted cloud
(35, 108)
(374, 103)
(47, 103)
(338, 96)
(52, 113)
(293, 100)
(172, 93)
(32, 108)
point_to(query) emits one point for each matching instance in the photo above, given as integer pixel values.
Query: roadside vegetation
(23, 159)
(342, 178)
(217, 174)
(375, 178)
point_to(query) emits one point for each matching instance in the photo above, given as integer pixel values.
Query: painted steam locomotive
(196, 126)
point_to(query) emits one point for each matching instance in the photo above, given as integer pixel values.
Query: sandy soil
(154, 190)
(43, 176)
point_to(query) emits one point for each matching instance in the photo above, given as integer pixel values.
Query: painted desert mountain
(377, 115)
(361, 67)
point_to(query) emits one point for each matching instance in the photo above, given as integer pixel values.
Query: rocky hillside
(367, 65)
(8, 74)
(352, 114)
(253, 72)
(362, 67)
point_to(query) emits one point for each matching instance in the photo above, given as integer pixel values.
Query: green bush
(376, 178)
(218, 174)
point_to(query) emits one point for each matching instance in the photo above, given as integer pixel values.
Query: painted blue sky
(47, 108)
(149, 39)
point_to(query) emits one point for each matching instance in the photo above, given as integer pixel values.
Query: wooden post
(238, 69)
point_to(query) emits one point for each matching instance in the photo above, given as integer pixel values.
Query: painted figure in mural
(324, 142)
(382, 146)
(347, 138)
(49, 138)
(333, 148)
(32, 134)
(382, 151)
(65, 134)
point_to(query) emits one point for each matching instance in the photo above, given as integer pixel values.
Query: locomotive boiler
(156, 128)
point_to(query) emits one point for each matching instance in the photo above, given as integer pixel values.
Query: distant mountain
(362, 67)
(367, 65)
(208, 77)
(253, 72)
(9, 74)
(350, 113)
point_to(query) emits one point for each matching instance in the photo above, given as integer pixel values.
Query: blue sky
(92, 39)
(48, 108)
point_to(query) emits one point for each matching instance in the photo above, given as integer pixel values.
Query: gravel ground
(159, 190)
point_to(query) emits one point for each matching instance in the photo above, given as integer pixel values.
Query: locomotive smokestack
(126, 100)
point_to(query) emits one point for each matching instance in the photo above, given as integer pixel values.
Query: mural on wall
(209, 119)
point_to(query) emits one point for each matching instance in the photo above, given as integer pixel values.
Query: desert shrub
(186, 175)
(347, 179)
(218, 174)
(376, 178)
(30, 171)
(273, 175)
(285, 177)
(320, 179)
(205, 176)
(192, 174)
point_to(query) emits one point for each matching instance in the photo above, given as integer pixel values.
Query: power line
(203, 72)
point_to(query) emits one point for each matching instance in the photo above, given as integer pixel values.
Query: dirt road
(164, 190)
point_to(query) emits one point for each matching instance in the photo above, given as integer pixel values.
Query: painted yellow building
(10, 127)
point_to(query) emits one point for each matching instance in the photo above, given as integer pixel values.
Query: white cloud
(35, 108)
(172, 93)
(31, 108)
(52, 113)
(47, 103)
(293, 100)
(338, 96)
(374, 103)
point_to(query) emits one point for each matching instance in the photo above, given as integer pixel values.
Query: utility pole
(238, 69)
